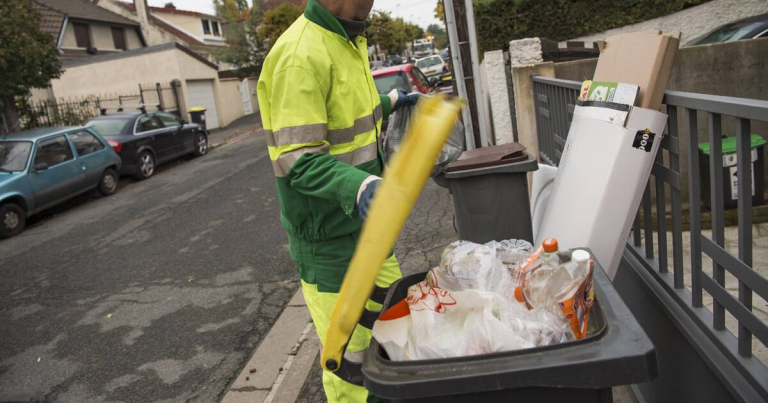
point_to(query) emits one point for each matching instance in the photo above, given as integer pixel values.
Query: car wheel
(12, 220)
(201, 145)
(108, 182)
(146, 165)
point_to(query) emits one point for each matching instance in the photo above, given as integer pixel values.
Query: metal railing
(555, 101)
(77, 111)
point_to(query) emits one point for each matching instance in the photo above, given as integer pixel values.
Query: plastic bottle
(546, 252)
(536, 273)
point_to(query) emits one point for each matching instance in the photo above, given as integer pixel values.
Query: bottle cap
(550, 245)
(580, 255)
(519, 294)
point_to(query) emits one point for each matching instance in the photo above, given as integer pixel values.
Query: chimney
(142, 11)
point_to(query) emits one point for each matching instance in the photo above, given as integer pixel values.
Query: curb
(277, 369)
(233, 139)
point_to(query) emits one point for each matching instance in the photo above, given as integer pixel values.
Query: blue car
(45, 167)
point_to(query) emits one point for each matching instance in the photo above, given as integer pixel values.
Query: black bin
(490, 193)
(615, 352)
(197, 115)
(730, 173)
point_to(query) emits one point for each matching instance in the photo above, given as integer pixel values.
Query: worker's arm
(301, 152)
(395, 100)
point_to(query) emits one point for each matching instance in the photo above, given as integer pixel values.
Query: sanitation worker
(322, 119)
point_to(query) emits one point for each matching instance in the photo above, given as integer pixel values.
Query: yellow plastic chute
(403, 180)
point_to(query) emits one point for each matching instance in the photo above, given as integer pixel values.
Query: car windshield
(109, 127)
(728, 33)
(431, 61)
(385, 84)
(14, 155)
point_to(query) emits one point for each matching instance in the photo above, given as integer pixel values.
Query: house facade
(201, 32)
(82, 29)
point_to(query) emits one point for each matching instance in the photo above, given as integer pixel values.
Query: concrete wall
(692, 22)
(123, 76)
(735, 69)
(230, 101)
(114, 77)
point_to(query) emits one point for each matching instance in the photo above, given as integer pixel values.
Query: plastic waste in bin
(197, 115)
(615, 352)
(730, 172)
(490, 193)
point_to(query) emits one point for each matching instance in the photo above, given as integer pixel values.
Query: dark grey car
(144, 140)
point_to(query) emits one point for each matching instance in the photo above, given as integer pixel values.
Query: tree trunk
(10, 115)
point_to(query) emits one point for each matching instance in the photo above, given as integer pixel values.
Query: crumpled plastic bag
(436, 323)
(397, 127)
(467, 265)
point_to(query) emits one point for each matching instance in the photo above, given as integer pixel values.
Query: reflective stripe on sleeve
(286, 136)
(359, 156)
(283, 163)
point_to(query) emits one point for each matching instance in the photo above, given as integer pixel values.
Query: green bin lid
(729, 144)
(196, 109)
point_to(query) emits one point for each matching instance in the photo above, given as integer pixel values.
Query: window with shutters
(118, 37)
(216, 31)
(206, 27)
(82, 35)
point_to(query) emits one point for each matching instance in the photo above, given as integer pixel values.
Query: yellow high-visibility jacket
(322, 117)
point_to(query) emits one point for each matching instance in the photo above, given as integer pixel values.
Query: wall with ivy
(500, 21)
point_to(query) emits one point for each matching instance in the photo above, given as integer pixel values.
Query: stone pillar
(498, 94)
(525, 106)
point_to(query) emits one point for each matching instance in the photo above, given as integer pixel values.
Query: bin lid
(196, 109)
(729, 144)
(489, 156)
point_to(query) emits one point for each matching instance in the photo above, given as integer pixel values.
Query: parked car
(394, 60)
(45, 167)
(748, 28)
(406, 77)
(144, 140)
(432, 65)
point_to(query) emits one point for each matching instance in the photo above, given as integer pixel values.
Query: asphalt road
(158, 293)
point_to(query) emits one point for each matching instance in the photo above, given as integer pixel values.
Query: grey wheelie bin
(615, 352)
(490, 193)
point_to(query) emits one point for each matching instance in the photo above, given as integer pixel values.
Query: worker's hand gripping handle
(404, 178)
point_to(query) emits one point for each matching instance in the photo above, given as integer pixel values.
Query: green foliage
(28, 57)
(277, 21)
(501, 21)
(440, 38)
(391, 35)
(245, 48)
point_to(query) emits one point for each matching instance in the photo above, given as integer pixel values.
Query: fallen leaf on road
(247, 378)
(191, 280)
(109, 315)
(38, 359)
(252, 370)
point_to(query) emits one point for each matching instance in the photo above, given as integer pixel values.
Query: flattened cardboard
(641, 58)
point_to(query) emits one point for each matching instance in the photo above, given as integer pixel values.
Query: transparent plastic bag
(467, 265)
(436, 323)
(397, 126)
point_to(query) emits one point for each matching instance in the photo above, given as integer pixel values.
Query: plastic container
(730, 173)
(490, 193)
(615, 352)
(197, 115)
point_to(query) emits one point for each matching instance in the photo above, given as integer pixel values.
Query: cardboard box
(601, 179)
(641, 58)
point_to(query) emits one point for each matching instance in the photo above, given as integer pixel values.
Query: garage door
(201, 94)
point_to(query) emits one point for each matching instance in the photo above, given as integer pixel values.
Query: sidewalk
(240, 127)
